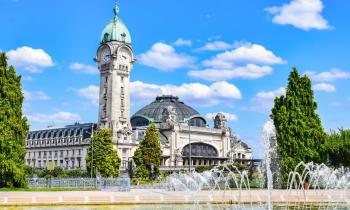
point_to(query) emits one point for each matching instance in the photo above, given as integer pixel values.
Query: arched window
(199, 150)
(198, 122)
(139, 121)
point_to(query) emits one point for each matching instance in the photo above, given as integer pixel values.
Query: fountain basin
(159, 196)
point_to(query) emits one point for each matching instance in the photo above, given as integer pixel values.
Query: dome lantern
(115, 30)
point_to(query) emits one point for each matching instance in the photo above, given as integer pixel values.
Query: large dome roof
(153, 111)
(116, 30)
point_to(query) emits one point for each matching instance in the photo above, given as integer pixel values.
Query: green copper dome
(155, 109)
(116, 30)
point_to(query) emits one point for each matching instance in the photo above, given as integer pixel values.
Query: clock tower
(115, 60)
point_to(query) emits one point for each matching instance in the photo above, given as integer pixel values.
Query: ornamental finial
(116, 10)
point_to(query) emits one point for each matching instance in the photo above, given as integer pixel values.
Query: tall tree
(300, 135)
(13, 127)
(102, 155)
(338, 148)
(149, 152)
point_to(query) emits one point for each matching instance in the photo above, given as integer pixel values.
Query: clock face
(124, 56)
(106, 55)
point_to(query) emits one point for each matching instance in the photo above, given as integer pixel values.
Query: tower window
(123, 35)
(122, 79)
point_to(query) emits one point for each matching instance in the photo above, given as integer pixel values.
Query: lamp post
(152, 170)
(189, 141)
(92, 149)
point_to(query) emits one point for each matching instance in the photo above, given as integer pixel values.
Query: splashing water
(270, 153)
(310, 185)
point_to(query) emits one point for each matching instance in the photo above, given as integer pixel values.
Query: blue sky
(223, 56)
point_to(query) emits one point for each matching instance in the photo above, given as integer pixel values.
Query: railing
(175, 168)
(149, 186)
(117, 184)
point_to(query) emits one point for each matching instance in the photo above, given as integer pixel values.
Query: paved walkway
(157, 196)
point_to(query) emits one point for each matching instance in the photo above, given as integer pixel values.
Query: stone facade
(65, 147)
(114, 100)
(209, 146)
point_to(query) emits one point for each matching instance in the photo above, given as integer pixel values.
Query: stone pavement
(159, 196)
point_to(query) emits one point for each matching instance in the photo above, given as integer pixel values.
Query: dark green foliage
(13, 127)
(149, 151)
(58, 172)
(106, 161)
(201, 169)
(337, 147)
(300, 134)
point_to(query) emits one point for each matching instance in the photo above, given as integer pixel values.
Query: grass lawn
(45, 189)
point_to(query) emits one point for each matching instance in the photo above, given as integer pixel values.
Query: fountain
(271, 168)
(310, 186)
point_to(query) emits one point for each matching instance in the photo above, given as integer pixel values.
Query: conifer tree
(300, 135)
(13, 127)
(149, 152)
(104, 157)
(337, 148)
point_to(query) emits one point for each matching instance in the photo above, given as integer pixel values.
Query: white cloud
(324, 87)
(91, 93)
(248, 53)
(263, 101)
(164, 57)
(32, 60)
(84, 68)
(183, 43)
(229, 117)
(27, 78)
(328, 76)
(247, 60)
(216, 46)
(58, 117)
(37, 95)
(303, 14)
(271, 95)
(193, 93)
(250, 71)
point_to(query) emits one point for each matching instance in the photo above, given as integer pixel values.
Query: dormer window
(105, 37)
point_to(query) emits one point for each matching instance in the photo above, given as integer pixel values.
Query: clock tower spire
(115, 60)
